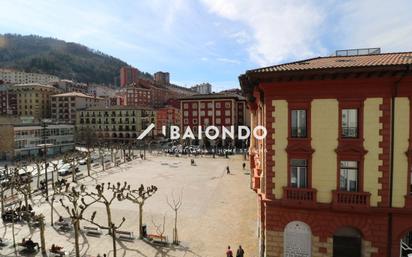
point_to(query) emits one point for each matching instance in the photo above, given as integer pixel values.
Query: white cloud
(371, 23)
(278, 30)
(227, 60)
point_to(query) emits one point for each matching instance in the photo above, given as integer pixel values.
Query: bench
(92, 231)
(60, 253)
(158, 239)
(125, 235)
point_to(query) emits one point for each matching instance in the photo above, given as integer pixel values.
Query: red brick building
(167, 116)
(333, 176)
(212, 109)
(128, 75)
(8, 101)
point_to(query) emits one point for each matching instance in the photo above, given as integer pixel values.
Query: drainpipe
(390, 215)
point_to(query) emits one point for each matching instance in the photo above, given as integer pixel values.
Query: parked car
(66, 170)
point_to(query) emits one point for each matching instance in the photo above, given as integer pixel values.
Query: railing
(299, 194)
(351, 199)
(350, 132)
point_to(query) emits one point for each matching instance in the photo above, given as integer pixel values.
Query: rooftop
(333, 62)
(117, 107)
(77, 94)
(213, 96)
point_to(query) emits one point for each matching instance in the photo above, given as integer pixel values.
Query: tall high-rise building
(128, 75)
(162, 78)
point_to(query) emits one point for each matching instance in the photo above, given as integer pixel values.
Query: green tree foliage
(57, 57)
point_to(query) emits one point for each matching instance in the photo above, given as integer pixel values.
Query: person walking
(244, 166)
(240, 252)
(229, 252)
(227, 170)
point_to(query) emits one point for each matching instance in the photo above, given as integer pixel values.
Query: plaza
(218, 210)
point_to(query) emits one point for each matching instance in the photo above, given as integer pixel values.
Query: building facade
(221, 110)
(8, 101)
(204, 88)
(333, 176)
(11, 76)
(34, 99)
(117, 123)
(19, 140)
(128, 75)
(64, 106)
(162, 78)
(66, 85)
(167, 116)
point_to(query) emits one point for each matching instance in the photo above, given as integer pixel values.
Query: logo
(211, 132)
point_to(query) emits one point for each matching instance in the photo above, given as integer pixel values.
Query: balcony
(299, 196)
(351, 200)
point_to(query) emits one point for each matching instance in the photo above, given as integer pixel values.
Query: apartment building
(204, 88)
(19, 77)
(116, 123)
(333, 176)
(221, 110)
(20, 139)
(64, 106)
(8, 101)
(167, 116)
(128, 75)
(34, 99)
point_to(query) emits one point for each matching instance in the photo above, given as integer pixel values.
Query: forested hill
(57, 57)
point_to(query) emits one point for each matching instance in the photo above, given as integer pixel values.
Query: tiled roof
(334, 62)
(212, 96)
(78, 94)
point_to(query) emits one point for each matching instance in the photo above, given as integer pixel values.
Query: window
(350, 123)
(217, 105)
(194, 105)
(227, 120)
(185, 113)
(298, 173)
(185, 106)
(202, 105)
(298, 123)
(218, 113)
(194, 113)
(194, 121)
(349, 176)
(185, 121)
(227, 113)
(209, 105)
(227, 105)
(218, 121)
(209, 113)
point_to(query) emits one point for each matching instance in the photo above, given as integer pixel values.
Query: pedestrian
(244, 166)
(229, 252)
(240, 252)
(227, 170)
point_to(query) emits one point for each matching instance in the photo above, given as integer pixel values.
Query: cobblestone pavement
(218, 210)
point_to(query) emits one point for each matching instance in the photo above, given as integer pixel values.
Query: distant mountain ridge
(64, 59)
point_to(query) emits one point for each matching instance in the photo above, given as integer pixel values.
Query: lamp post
(44, 146)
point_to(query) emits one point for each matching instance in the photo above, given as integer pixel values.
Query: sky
(214, 40)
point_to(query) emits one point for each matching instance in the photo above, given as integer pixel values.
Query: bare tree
(101, 150)
(39, 165)
(40, 219)
(88, 138)
(160, 228)
(111, 227)
(175, 205)
(73, 160)
(138, 197)
(75, 205)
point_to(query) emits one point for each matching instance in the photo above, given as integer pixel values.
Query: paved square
(218, 209)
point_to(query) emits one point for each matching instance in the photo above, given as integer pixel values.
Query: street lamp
(44, 146)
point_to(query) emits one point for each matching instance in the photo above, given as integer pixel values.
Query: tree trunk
(76, 226)
(2, 200)
(88, 162)
(175, 237)
(109, 219)
(140, 220)
(114, 240)
(102, 161)
(42, 238)
(38, 175)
